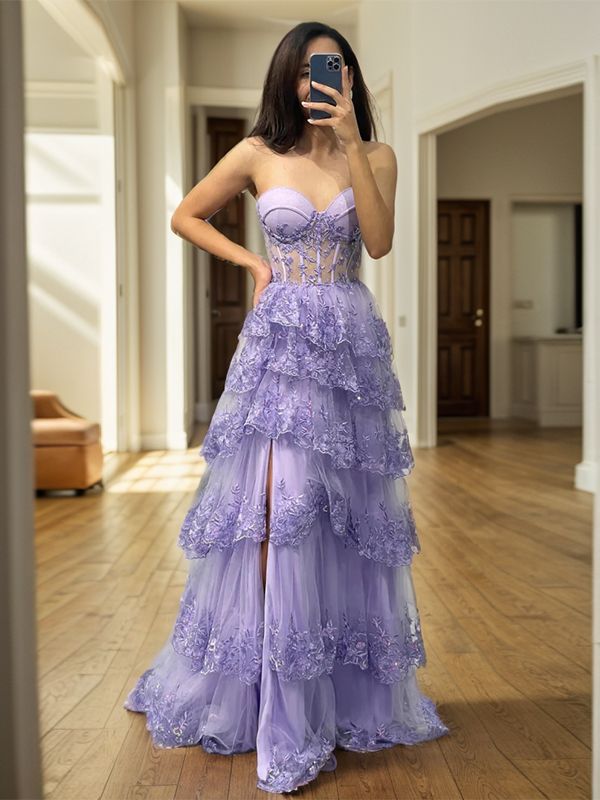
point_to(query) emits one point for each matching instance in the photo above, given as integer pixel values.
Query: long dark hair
(280, 121)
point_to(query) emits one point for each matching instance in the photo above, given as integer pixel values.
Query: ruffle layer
(327, 601)
(298, 654)
(315, 362)
(215, 710)
(319, 418)
(289, 769)
(368, 381)
(336, 666)
(368, 512)
(369, 644)
(327, 653)
(326, 314)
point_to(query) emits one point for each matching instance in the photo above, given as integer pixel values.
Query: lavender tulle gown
(326, 656)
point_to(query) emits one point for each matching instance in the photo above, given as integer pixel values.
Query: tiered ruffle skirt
(327, 654)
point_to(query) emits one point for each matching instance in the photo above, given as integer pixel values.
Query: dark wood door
(463, 308)
(227, 281)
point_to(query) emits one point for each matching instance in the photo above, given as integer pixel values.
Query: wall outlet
(523, 304)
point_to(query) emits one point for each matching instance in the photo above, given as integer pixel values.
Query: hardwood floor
(503, 586)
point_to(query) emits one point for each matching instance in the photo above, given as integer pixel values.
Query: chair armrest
(46, 405)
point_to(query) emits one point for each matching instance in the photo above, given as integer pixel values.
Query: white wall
(117, 18)
(383, 44)
(543, 268)
(533, 151)
(70, 220)
(441, 53)
(66, 220)
(50, 54)
(225, 58)
(462, 48)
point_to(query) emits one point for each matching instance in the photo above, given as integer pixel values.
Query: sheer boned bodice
(308, 246)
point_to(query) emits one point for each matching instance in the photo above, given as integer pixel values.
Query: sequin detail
(368, 381)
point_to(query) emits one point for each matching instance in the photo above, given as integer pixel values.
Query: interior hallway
(503, 584)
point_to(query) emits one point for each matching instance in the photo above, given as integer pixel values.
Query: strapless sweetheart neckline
(308, 200)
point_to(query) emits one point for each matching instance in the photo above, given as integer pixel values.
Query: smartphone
(325, 68)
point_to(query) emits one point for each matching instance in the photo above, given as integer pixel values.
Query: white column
(161, 158)
(20, 770)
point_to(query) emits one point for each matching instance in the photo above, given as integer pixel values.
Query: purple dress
(326, 656)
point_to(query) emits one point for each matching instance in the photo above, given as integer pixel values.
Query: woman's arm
(374, 186)
(230, 176)
(372, 176)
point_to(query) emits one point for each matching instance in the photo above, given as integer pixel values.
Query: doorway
(463, 308)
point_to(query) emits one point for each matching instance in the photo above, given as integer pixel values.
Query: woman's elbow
(176, 223)
(380, 251)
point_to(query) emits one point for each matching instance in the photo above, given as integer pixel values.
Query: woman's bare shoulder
(258, 153)
(379, 150)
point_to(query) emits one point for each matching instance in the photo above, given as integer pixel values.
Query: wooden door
(463, 308)
(227, 281)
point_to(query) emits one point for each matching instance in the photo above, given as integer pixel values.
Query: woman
(298, 629)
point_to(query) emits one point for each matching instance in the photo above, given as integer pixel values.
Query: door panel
(463, 308)
(227, 281)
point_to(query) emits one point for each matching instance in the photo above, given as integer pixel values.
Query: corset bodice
(309, 246)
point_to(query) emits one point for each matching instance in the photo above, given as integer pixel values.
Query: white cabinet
(547, 376)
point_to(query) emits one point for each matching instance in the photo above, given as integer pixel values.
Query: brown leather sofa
(67, 447)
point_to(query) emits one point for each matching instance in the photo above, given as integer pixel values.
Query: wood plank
(503, 585)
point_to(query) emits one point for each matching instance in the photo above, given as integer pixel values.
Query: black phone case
(323, 70)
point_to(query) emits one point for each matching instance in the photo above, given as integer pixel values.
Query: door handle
(477, 316)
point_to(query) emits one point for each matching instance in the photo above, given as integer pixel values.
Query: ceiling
(267, 15)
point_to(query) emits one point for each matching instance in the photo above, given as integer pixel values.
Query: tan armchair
(67, 447)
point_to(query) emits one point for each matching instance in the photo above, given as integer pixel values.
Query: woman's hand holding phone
(342, 119)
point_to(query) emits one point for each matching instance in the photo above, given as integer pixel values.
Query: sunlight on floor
(160, 471)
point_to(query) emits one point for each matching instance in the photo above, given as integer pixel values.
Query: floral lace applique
(293, 516)
(298, 654)
(170, 727)
(322, 253)
(368, 381)
(321, 317)
(289, 769)
(315, 428)
(388, 734)
(199, 638)
(211, 523)
(377, 534)
(389, 657)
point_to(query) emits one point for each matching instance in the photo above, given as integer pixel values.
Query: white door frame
(379, 274)
(524, 90)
